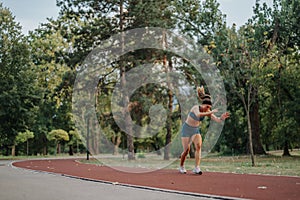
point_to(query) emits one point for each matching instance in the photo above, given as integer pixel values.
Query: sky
(31, 13)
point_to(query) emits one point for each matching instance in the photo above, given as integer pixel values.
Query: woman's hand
(224, 116)
(214, 111)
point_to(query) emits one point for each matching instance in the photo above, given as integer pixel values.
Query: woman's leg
(186, 149)
(198, 144)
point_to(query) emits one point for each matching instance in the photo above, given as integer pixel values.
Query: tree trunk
(45, 152)
(45, 148)
(131, 154)
(58, 148)
(247, 105)
(95, 138)
(71, 151)
(27, 148)
(170, 105)
(88, 138)
(13, 150)
(116, 141)
(130, 139)
(169, 130)
(286, 149)
(250, 140)
(255, 126)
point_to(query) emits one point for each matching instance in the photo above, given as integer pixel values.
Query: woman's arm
(209, 113)
(220, 119)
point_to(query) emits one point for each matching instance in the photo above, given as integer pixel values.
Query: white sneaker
(182, 170)
(197, 170)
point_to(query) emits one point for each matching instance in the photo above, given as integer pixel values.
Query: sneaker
(182, 170)
(197, 170)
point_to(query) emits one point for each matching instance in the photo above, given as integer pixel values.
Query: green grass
(19, 157)
(268, 164)
(39, 156)
(271, 164)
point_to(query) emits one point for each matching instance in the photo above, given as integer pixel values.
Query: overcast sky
(30, 13)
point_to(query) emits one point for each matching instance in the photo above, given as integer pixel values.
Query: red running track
(211, 183)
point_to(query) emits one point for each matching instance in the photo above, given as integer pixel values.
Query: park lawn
(271, 164)
(268, 165)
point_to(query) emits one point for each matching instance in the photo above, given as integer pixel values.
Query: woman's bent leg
(186, 149)
(198, 143)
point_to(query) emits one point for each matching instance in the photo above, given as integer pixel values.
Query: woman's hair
(201, 93)
(206, 101)
(205, 98)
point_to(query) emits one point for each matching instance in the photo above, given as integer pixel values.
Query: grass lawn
(271, 164)
(268, 164)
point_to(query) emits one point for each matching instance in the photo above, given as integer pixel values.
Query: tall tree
(125, 97)
(24, 137)
(54, 78)
(238, 76)
(258, 45)
(18, 86)
(58, 135)
(155, 14)
(282, 42)
(202, 20)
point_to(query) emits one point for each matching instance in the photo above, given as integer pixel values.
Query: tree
(58, 136)
(24, 137)
(19, 94)
(202, 20)
(275, 39)
(245, 62)
(254, 61)
(125, 97)
(191, 17)
(285, 49)
(86, 17)
(54, 78)
(75, 139)
(239, 76)
(153, 14)
(83, 25)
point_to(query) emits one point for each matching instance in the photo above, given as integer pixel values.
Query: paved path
(219, 185)
(20, 184)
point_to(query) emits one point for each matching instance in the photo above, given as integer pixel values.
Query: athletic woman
(191, 132)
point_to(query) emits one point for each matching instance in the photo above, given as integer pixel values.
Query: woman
(191, 133)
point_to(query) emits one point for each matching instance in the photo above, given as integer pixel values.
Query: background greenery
(259, 62)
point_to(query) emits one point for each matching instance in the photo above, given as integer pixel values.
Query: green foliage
(19, 94)
(152, 13)
(259, 62)
(199, 19)
(258, 65)
(24, 137)
(75, 137)
(58, 135)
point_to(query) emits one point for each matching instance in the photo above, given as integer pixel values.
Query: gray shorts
(189, 131)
